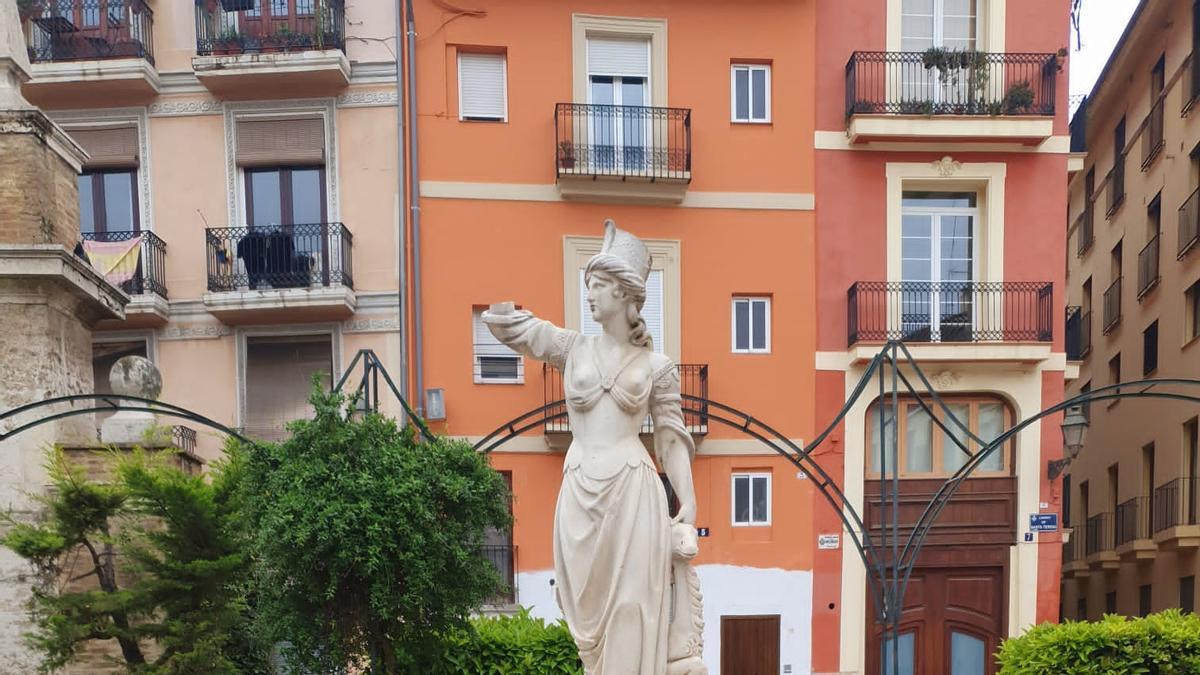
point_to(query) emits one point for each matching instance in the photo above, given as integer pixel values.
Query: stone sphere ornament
(135, 376)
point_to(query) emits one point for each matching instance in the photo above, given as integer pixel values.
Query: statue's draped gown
(612, 548)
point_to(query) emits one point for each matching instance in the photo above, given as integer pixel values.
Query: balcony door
(618, 93)
(946, 24)
(937, 266)
(288, 238)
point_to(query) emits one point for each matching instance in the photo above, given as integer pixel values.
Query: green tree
(367, 541)
(146, 558)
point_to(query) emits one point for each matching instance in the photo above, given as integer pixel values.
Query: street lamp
(1074, 431)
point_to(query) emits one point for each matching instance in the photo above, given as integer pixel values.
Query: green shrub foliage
(511, 645)
(367, 543)
(1167, 643)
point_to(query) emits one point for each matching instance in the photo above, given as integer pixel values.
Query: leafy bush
(367, 543)
(511, 645)
(1167, 643)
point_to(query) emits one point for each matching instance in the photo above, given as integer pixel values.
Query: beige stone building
(1133, 264)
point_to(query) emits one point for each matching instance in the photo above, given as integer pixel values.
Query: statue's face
(605, 298)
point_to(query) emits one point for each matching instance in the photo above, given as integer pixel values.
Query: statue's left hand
(687, 513)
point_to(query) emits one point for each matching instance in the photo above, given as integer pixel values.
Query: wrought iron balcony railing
(1191, 89)
(1085, 333)
(150, 275)
(1112, 305)
(950, 311)
(504, 558)
(282, 256)
(184, 438)
(1085, 233)
(1177, 503)
(228, 27)
(947, 82)
(624, 141)
(1116, 186)
(87, 30)
(1148, 266)
(1152, 138)
(1189, 224)
(1099, 533)
(693, 381)
(1133, 520)
(1074, 550)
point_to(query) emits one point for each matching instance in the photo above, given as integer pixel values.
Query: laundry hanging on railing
(116, 261)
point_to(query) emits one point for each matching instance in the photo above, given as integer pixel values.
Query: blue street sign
(1043, 522)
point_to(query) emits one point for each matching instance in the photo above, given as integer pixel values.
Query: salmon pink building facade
(941, 163)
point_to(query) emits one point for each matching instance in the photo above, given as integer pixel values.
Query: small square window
(482, 87)
(750, 93)
(752, 325)
(494, 361)
(751, 499)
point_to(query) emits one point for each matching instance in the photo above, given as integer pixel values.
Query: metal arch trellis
(888, 576)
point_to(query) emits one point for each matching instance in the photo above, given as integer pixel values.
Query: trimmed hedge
(511, 645)
(1167, 643)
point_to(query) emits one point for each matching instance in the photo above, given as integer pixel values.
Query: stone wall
(39, 200)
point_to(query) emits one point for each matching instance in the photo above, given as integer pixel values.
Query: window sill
(1191, 341)
(479, 380)
(750, 352)
(765, 123)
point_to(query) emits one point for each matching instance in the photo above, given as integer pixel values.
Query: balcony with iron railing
(950, 311)
(1085, 333)
(1191, 85)
(139, 270)
(1152, 135)
(1015, 92)
(1075, 555)
(639, 153)
(1100, 550)
(307, 268)
(1134, 532)
(1148, 266)
(1085, 234)
(1112, 306)
(1177, 514)
(693, 381)
(1115, 193)
(265, 46)
(1189, 224)
(80, 49)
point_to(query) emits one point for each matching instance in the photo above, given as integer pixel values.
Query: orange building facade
(810, 178)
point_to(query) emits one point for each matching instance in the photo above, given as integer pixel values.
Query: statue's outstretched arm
(524, 332)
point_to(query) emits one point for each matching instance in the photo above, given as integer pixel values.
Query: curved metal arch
(113, 400)
(749, 425)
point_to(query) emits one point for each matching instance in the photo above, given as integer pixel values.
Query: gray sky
(1101, 23)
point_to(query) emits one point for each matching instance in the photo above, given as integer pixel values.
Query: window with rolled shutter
(618, 57)
(279, 371)
(482, 87)
(495, 362)
(108, 147)
(281, 142)
(652, 311)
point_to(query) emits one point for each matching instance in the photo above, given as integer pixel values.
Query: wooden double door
(952, 623)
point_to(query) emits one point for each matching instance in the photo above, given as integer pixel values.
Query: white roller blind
(618, 56)
(486, 344)
(652, 311)
(482, 89)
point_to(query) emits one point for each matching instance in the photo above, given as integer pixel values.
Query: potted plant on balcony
(1018, 98)
(228, 42)
(566, 155)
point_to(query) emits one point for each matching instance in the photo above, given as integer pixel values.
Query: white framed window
(751, 325)
(751, 499)
(482, 87)
(750, 93)
(494, 361)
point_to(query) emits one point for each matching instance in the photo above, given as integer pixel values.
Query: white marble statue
(621, 568)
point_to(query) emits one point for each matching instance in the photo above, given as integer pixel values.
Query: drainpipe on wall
(402, 234)
(415, 196)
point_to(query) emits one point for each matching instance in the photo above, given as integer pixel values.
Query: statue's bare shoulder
(660, 363)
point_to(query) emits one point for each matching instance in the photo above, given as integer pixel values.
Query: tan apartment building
(241, 187)
(1131, 497)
